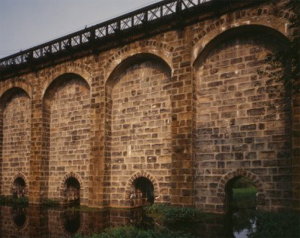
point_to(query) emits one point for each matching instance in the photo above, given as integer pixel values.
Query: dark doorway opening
(142, 192)
(19, 188)
(241, 201)
(72, 191)
(241, 193)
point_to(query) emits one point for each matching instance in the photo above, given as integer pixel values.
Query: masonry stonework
(186, 108)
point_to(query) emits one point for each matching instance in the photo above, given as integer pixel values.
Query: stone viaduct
(166, 99)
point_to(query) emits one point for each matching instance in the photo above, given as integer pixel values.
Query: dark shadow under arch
(137, 59)
(71, 191)
(142, 192)
(253, 31)
(19, 188)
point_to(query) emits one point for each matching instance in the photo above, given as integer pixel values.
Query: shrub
(276, 225)
(171, 215)
(50, 203)
(130, 232)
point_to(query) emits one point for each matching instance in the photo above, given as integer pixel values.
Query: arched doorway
(142, 192)
(72, 191)
(241, 193)
(241, 201)
(19, 188)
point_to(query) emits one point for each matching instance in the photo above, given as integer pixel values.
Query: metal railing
(91, 34)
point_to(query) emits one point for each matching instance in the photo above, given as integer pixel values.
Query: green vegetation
(276, 225)
(130, 232)
(243, 183)
(244, 198)
(50, 203)
(11, 201)
(174, 215)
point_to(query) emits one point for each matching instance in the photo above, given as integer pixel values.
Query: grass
(244, 198)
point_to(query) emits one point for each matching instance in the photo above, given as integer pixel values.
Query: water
(40, 222)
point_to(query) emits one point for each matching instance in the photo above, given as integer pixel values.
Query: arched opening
(19, 188)
(72, 191)
(142, 192)
(241, 201)
(241, 193)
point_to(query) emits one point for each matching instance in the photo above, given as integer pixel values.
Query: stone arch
(83, 71)
(203, 48)
(148, 47)
(64, 180)
(24, 178)
(20, 175)
(226, 178)
(15, 83)
(132, 59)
(142, 174)
(259, 17)
(148, 80)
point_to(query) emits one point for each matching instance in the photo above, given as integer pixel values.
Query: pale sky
(27, 23)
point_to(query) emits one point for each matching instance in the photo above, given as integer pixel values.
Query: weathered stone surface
(184, 108)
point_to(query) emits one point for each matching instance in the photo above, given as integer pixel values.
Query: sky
(28, 23)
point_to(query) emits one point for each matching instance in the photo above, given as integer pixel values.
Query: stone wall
(242, 120)
(185, 108)
(16, 125)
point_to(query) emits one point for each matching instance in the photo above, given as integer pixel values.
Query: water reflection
(71, 221)
(19, 217)
(65, 222)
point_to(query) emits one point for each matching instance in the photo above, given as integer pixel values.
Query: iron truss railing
(138, 18)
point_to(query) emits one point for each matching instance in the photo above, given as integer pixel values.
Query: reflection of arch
(137, 58)
(217, 39)
(19, 218)
(141, 174)
(72, 179)
(71, 222)
(232, 176)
